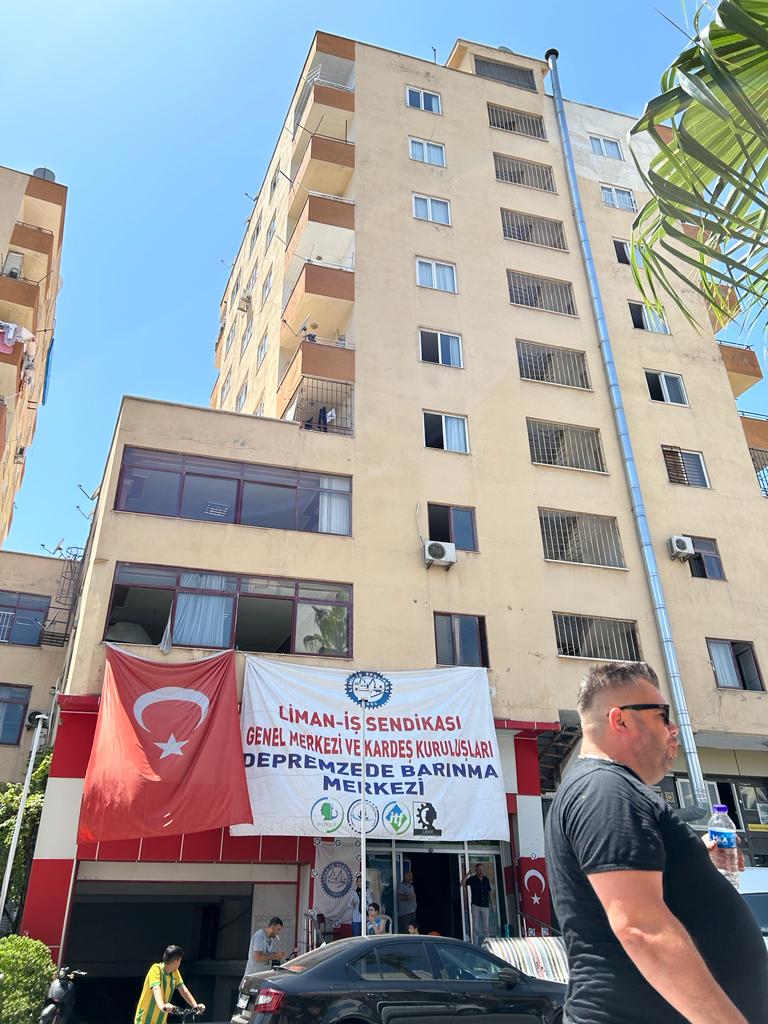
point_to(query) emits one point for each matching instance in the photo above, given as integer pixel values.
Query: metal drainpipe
(663, 624)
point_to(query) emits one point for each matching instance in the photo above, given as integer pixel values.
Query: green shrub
(28, 970)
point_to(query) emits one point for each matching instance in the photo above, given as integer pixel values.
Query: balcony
(755, 428)
(325, 101)
(319, 359)
(322, 405)
(326, 166)
(320, 296)
(742, 366)
(324, 227)
(18, 300)
(33, 238)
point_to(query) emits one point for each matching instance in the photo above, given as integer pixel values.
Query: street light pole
(363, 872)
(42, 720)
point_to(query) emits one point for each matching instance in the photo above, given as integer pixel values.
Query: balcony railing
(316, 77)
(322, 405)
(760, 462)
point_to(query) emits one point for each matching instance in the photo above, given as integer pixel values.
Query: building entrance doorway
(438, 896)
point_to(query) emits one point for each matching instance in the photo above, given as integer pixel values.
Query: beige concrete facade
(31, 231)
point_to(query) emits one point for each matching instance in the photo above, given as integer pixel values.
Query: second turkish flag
(166, 755)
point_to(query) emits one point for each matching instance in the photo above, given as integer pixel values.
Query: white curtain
(334, 508)
(454, 348)
(455, 434)
(725, 669)
(445, 277)
(425, 274)
(203, 620)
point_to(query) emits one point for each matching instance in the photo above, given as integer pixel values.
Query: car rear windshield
(307, 961)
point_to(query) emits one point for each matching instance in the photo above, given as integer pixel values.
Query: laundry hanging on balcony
(13, 334)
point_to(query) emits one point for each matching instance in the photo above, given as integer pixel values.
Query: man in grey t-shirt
(264, 948)
(406, 902)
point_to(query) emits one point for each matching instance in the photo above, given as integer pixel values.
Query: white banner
(432, 772)
(336, 866)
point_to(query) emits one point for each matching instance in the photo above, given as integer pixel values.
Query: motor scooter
(60, 998)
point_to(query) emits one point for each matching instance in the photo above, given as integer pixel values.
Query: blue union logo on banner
(369, 688)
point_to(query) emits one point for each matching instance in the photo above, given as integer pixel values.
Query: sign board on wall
(432, 772)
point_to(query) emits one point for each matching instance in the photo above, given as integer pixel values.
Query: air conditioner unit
(680, 547)
(438, 552)
(244, 304)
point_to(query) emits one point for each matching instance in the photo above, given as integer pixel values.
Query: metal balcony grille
(760, 462)
(585, 636)
(552, 365)
(524, 227)
(580, 537)
(517, 121)
(684, 467)
(324, 405)
(562, 444)
(510, 74)
(541, 293)
(524, 172)
(6, 621)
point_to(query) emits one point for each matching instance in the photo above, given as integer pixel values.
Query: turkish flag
(166, 756)
(534, 895)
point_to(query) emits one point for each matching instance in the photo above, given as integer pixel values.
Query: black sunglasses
(663, 708)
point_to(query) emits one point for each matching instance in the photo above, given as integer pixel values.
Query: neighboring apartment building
(32, 210)
(407, 352)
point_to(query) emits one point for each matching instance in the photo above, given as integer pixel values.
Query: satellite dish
(504, 49)
(45, 173)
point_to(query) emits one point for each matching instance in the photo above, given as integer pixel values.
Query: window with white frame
(230, 337)
(433, 274)
(446, 432)
(262, 350)
(624, 252)
(225, 388)
(734, 665)
(247, 334)
(242, 395)
(621, 198)
(259, 410)
(646, 319)
(440, 347)
(430, 208)
(666, 387)
(266, 287)
(271, 229)
(420, 99)
(685, 467)
(252, 241)
(235, 291)
(427, 152)
(252, 279)
(273, 183)
(602, 146)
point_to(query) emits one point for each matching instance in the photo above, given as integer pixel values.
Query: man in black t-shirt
(480, 888)
(654, 933)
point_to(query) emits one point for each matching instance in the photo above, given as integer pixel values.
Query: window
(230, 337)
(581, 537)
(509, 74)
(460, 962)
(601, 146)
(428, 152)
(446, 432)
(225, 387)
(524, 227)
(646, 319)
(219, 490)
(706, 562)
(266, 287)
(524, 172)
(439, 347)
(252, 278)
(666, 387)
(247, 334)
(517, 121)
(621, 198)
(551, 365)
(685, 467)
(420, 99)
(432, 274)
(734, 665)
(585, 636)
(196, 608)
(235, 291)
(429, 208)
(760, 462)
(541, 293)
(273, 183)
(397, 961)
(14, 701)
(624, 252)
(22, 617)
(562, 444)
(271, 229)
(242, 396)
(259, 410)
(452, 524)
(262, 349)
(252, 240)
(460, 639)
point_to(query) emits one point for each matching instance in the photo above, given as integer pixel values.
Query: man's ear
(616, 720)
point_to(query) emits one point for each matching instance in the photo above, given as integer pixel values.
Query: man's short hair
(273, 921)
(612, 675)
(172, 953)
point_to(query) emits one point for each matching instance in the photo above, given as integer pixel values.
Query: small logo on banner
(396, 818)
(355, 813)
(424, 818)
(369, 688)
(336, 879)
(327, 815)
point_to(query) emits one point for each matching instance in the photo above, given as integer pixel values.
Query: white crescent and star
(172, 746)
(533, 873)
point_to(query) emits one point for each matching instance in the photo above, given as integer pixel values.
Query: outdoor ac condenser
(439, 552)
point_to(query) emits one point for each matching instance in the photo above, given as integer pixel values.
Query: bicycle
(185, 1012)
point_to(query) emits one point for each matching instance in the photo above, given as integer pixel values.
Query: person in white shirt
(264, 949)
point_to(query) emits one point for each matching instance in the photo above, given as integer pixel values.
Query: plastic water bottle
(723, 831)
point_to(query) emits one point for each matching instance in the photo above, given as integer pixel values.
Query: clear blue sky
(159, 115)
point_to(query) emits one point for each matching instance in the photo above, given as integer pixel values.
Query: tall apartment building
(407, 353)
(32, 210)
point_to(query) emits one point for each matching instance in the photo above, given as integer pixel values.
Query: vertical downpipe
(661, 614)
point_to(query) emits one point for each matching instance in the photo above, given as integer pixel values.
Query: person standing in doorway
(356, 903)
(265, 947)
(406, 902)
(480, 888)
(162, 980)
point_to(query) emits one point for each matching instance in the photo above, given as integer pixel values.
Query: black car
(397, 979)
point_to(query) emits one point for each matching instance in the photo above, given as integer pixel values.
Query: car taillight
(268, 1000)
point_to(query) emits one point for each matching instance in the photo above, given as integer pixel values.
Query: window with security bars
(621, 198)
(524, 227)
(524, 172)
(562, 444)
(581, 537)
(551, 365)
(685, 467)
(541, 293)
(586, 636)
(509, 74)
(518, 121)
(760, 462)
